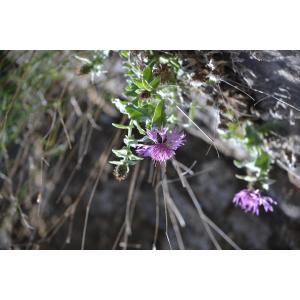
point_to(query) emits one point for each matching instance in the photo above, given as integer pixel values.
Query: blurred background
(56, 139)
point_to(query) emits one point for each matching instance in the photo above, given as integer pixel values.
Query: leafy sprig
(259, 164)
(143, 102)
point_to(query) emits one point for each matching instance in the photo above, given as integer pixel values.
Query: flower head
(163, 145)
(250, 200)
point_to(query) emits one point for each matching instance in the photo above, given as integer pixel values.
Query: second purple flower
(251, 200)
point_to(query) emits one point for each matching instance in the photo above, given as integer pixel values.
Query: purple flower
(163, 145)
(251, 200)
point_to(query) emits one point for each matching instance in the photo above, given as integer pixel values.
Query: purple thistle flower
(250, 200)
(164, 144)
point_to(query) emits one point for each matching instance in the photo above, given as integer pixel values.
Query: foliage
(259, 165)
(148, 76)
(25, 84)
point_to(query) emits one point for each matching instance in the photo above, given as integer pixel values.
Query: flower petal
(144, 150)
(164, 144)
(152, 134)
(175, 139)
(250, 201)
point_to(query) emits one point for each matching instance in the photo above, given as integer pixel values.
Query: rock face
(273, 73)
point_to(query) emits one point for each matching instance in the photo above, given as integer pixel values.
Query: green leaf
(174, 63)
(141, 114)
(116, 162)
(139, 83)
(134, 157)
(159, 114)
(120, 153)
(247, 178)
(124, 53)
(252, 135)
(147, 73)
(147, 86)
(134, 112)
(131, 93)
(129, 141)
(131, 87)
(121, 126)
(262, 160)
(155, 82)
